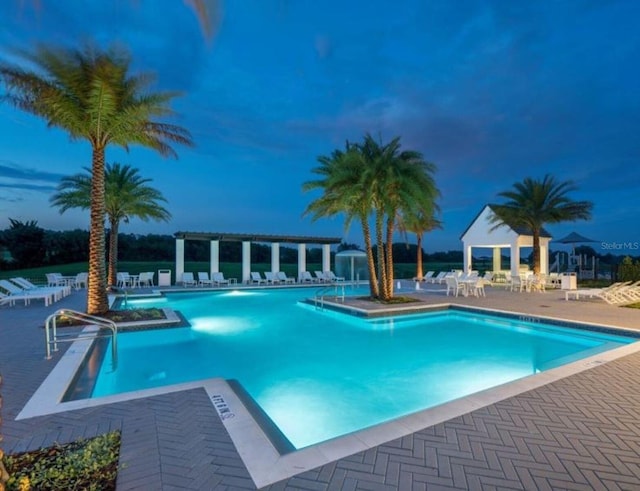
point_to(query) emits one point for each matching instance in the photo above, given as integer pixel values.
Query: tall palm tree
(344, 192)
(419, 223)
(533, 203)
(401, 181)
(90, 94)
(127, 195)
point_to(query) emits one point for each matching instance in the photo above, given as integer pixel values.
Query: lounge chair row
(620, 293)
(270, 278)
(21, 289)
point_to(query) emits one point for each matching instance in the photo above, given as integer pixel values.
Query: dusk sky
(491, 92)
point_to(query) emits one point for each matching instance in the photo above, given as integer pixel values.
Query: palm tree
(344, 192)
(419, 223)
(127, 195)
(90, 94)
(401, 181)
(533, 203)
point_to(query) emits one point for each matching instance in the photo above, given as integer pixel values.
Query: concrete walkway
(580, 432)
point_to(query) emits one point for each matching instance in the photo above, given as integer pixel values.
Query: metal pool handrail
(320, 294)
(80, 316)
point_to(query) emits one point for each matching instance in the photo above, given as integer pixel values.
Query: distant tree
(91, 94)
(127, 195)
(419, 223)
(25, 242)
(533, 203)
(346, 246)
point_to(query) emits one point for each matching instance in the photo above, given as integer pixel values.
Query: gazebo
(215, 238)
(481, 233)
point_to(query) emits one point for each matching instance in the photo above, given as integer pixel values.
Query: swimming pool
(319, 374)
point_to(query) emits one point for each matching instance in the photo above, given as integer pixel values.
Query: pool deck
(579, 432)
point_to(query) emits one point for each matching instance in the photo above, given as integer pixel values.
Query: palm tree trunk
(113, 253)
(536, 251)
(382, 276)
(373, 278)
(97, 302)
(389, 255)
(419, 273)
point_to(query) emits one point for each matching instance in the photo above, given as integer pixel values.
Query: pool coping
(265, 464)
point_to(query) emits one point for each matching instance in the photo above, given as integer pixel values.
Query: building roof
(517, 229)
(238, 237)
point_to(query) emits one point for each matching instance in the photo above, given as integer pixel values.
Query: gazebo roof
(516, 229)
(239, 237)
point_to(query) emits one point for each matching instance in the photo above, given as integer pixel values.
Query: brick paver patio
(581, 432)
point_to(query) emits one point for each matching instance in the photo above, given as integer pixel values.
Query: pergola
(215, 238)
(481, 233)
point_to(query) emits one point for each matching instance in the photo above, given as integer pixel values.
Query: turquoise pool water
(320, 374)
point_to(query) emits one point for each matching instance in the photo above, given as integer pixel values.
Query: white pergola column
(497, 259)
(275, 257)
(246, 261)
(326, 257)
(302, 259)
(214, 247)
(467, 258)
(179, 259)
(515, 258)
(544, 257)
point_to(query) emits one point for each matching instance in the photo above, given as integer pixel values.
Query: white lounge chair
(188, 279)
(320, 276)
(282, 276)
(123, 279)
(305, 277)
(257, 279)
(27, 286)
(439, 278)
(204, 280)
(425, 277)
(219, 279)
(48, 296)
(11, 299)
(271, 278)
(613, 294)
(332, 278)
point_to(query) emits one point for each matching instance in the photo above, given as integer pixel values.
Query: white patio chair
(204, 280)
(256, 279)
(188, 279)
(282, 276)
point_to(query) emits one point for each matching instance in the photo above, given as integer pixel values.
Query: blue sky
(491, 92)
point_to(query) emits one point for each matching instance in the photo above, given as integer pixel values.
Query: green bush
(629, 270)
(84, 464)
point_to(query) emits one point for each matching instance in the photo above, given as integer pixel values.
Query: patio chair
(454, 286)
(81, 281)
(272, 279)
(27, 286)
(123, 280)
(320, 276)
(204, 280)
(219, 279)
(305, 277)
(611, 294)
(425, 277)
(146, 279)
(438, 277)
(48, 295)
(282, 276)
(188, 279)
(11, 299)
(256, 278)
(332, 278)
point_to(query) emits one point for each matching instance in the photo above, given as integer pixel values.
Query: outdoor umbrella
(575, 238)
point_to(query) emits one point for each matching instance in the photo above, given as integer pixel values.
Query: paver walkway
(582, 432)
